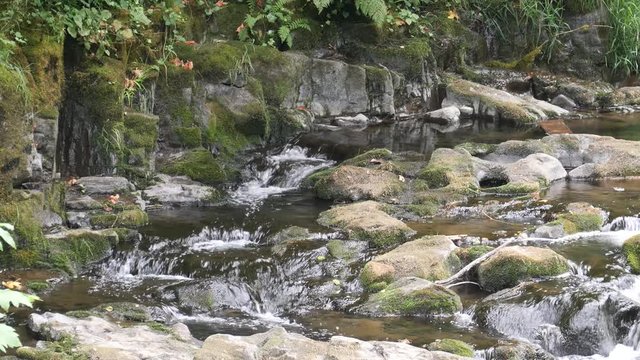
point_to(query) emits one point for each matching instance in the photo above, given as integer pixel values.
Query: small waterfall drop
(278, 173)
(623, 223)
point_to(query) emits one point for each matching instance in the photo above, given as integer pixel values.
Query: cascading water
(623, 223)
(278, 173)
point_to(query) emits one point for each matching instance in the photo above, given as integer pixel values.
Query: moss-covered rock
(451, 170)
(412, 297)
(375, 276)
(452, 346)
(122, 311)
(477, 149)
(126, 218)
(355, 183)
(581, 217)
(189, 137)
(430, 257)
(622, 96)
(368, 222)
(199, 165)
(631, 250)
(469, 254)
(511, 265)
(71, 250)
(364, 159)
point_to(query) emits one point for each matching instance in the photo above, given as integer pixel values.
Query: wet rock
(430, 257)
(98, 338)
(549, 231)
(452, 346)
(356, 183)
(508, 350)
(511, 265)
(446, 115)
(412, 296)
(289, 234)
(487, 101)
(347, 251)
(106, 185)
(581, 216)
(367, 221)
(564, 102)
(179, 191)
(83, 202)
(70, 250)
(631, 249)
(358, 120)
(277, 343)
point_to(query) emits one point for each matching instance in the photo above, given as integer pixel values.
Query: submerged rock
(367, 221)
(278, 343)
(412, 296)
(357, 183)
(430, 257)
(98, 338)
(510, 265)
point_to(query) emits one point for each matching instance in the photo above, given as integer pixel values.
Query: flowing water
(221, 269)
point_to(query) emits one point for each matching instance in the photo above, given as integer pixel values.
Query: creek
(220, 270)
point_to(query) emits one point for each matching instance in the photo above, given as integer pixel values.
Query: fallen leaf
(108, 309)
(12, 285)
(453, 15)
(240, 28)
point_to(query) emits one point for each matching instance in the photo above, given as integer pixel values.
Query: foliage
(271, 22)
(8, 298)
(624, 38)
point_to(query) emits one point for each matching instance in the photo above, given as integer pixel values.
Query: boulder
(412, 296)
(510, 265)
(353, 183)
(106, 185)
(83, 202)
(98, 338)
(368, 222)
(629, 95)
(564, 102)
(179, 191)
(452, 346)
(549, 231)
(487, 101)
(540, 168)
(446, 115)
(278, 343)
(579, 217)
(430, 257)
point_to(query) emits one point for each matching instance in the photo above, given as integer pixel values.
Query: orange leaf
(453, 15)
(240, 28)
(12, 285)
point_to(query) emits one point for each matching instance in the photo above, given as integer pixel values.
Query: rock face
(178, 191)
(511, 265)
(277, 343)
(357, 183)
(430, 257)
(101, 339)
(498, 104)
(367, 221)
(412, 296)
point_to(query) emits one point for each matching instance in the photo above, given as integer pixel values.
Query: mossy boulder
(376, 276)
(621, 97)
(72, 249)
(367, 221)
(412, 297)
(200, 165)
(451, 170)
(471, 253)
(364, 159)
(579, 217)
(353, 183)
(510, 265)
(477, 149)
(122, 311)
(430, 257)
(452, 346)
(631, 250)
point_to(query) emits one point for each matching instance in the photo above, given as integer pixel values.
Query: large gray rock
(357, 183)
(178, 191)
(101, 339)
(367, 221)
(105, 185)
(446, 115)
(536, 167)
(487, 101)
(430, 257)
(277, 343)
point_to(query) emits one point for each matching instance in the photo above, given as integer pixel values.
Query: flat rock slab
(101, 339)
(277, 343)
(105, 185)
(178, 191)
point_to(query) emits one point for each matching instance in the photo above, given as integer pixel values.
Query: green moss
(159, 327)
(338, 250)
(213, 61)
(77, 249)
(435, 176)
(514, 188)
(428, 301)
(452, 346)
(37, 286)
(126, 218)
(364, 159)
(471, 253)
(318, 178)
(423, 210)
(62, 349)
(199, 165)
(371, 278)
(123, 311)
(141, 131)
(222, 132)
(79, 314)
(21, 211)
(578, 222)
(44, 59)
(631, 250)
(54, 196)
(523, 64)
(189, 137)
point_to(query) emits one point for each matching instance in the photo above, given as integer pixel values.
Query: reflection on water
(621, 126)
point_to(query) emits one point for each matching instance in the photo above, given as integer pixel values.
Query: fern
(376, 10)
(322, 4)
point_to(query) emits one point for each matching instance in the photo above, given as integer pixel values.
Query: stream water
(218, 269)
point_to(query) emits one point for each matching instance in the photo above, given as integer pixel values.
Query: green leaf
(126, 34)
(8, 338)
(7, 226)
(6, 236)
(10, 298)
